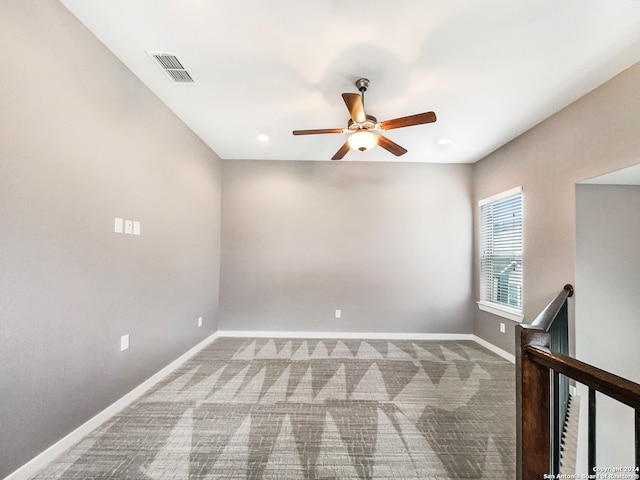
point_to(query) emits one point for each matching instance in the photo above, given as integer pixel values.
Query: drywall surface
(594, 135)
(82, 141)
(607, 305)
(388, 244)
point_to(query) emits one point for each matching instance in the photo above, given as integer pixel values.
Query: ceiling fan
(362, 127)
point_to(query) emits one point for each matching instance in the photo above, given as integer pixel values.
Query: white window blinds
(501, 249)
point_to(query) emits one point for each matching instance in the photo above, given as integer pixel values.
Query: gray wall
(389, 244)
(81, 142)
(594, 135)
(608, 305)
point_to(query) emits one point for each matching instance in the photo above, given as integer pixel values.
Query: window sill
(512, 314)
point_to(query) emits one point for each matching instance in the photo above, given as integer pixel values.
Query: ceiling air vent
(172, 67)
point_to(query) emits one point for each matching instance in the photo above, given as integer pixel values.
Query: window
(501, 254)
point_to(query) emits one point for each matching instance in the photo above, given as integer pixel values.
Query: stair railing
(540, 389)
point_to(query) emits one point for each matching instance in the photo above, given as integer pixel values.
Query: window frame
(512, 313)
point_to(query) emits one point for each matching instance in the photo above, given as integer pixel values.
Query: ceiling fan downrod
(362, 84)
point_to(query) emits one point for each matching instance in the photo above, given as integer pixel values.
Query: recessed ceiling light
(263, 137)
(443, 141)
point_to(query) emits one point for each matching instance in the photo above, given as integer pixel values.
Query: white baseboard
(338, 335)
(370, 335)
(43, 459)
(498, 351)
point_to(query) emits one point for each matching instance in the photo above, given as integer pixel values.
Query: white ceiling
(626, 176)
(490, 70)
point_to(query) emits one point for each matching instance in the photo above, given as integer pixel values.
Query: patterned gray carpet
(313, 409)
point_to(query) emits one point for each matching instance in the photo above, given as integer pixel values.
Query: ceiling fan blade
(320, 130)
(418, 119)
(355, 106)
(392, 147)
(342, 152)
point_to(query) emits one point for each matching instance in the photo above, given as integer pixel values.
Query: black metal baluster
(592, 431)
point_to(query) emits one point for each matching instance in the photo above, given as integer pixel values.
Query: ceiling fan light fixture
(361, 126)
(362, 140)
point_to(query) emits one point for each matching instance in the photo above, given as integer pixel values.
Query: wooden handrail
(537, 360)
(533, 407)
(612, 385)
(546, 317)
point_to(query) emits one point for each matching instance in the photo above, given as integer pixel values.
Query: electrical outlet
(502, 328)
(124, 342)
(136, 227)
(338, 313)
(199, 321)
(118, 225)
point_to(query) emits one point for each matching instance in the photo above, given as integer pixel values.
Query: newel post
(532, 407)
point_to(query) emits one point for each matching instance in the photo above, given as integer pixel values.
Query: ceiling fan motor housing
(369, 124)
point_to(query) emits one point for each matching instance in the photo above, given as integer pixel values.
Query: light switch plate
(338, 313)
(502, 327)
(136, 227)
(128, 227)
(199, 321)
(124, 342)
(118, 225)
